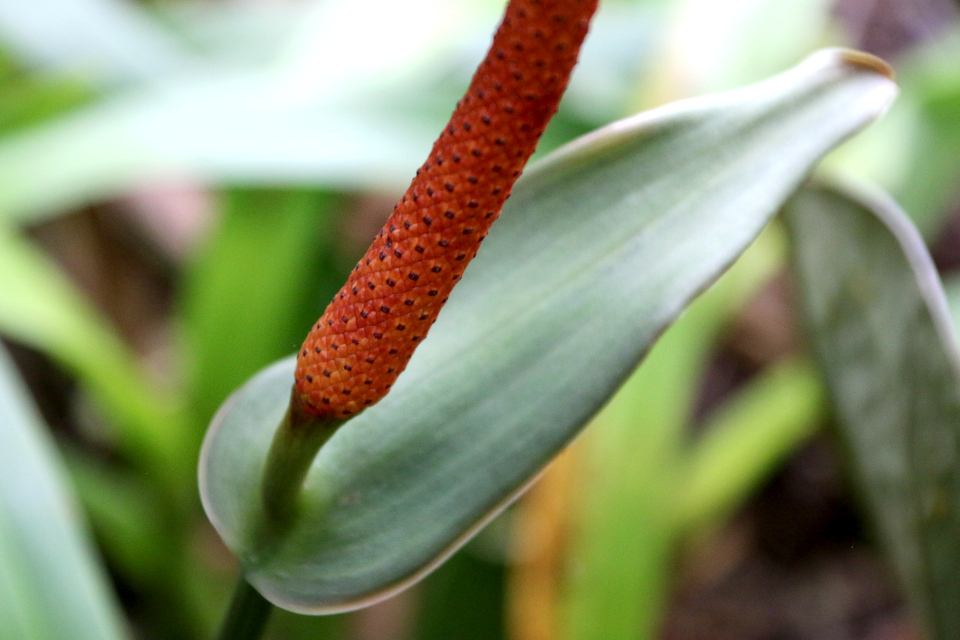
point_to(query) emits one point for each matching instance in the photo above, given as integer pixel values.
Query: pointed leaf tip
(866, 61)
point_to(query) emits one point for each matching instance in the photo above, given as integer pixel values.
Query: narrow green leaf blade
(881, 329)
(51, 585)
(753, 431)
(127, 518)
(601, 246)
(632, 459)
(250, 277)
(41, 308)
(623, 530)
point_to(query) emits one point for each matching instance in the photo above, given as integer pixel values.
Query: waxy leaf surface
(601, 246)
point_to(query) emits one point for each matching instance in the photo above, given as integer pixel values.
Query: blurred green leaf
(623, 533)
(601, 247)
(51, 584)
(27, 100)
(881, 330)
(750, 433)
(126, 516)
(284, 625)
(931, 184)
(110, 40)
(463, 599)
(618, 566)
(228, 128)
(244, 296)
(312, 117)
(915, 152)
(235, 33)
(39, 307)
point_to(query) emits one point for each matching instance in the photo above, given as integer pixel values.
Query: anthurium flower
(600, 247)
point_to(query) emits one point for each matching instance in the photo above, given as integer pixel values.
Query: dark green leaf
(881, 329)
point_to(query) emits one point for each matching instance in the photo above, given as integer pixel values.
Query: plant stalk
(248, 614)
(295, 445)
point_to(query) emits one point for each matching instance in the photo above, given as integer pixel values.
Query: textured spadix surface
(601, 246)
(882, 331)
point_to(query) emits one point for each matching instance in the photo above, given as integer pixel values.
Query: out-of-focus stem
(248, 614)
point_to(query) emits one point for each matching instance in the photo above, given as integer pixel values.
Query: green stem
(294, 447)
(248, 614)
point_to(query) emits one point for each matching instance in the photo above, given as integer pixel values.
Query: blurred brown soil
(795, 564)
